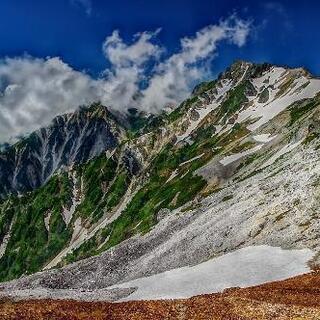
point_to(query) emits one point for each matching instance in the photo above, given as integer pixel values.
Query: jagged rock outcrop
(70, 139)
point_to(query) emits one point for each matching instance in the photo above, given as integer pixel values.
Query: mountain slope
(234, 165)
(71, 138)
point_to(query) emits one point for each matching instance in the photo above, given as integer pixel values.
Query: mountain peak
(70, 138)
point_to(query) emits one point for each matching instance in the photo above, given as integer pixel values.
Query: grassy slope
(103, 183)
(31, 245)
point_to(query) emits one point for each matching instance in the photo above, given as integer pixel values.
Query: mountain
(230, 175)
(71, 138)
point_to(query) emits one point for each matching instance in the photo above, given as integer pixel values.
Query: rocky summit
(98, 206)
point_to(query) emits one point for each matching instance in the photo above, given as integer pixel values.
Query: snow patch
(267, 111)
(242, 268)
(190, 160)
(47, 220)
(204, 111)
(263, 138)
(236, 156)
(67, 214)
(173, 175)
(6, 239)
(281, 152)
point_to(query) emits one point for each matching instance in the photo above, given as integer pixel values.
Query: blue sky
(287, 31)
(57, 55)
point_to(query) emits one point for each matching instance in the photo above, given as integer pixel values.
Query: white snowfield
(267, 111)
(263, 138)
(281, 152)
(67, 214)
(236, 156)
(173, 175)
(260, 113)
(203, 112)
(190, 160)
(242, 268)
(47, 218)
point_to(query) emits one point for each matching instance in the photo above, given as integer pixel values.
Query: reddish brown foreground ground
(296, 298)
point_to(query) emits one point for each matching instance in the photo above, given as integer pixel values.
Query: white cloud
(33, 91)
(139, 52)
(128, 66)
(173, 78)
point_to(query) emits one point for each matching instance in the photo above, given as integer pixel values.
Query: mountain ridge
(11, 183)
(68, 139)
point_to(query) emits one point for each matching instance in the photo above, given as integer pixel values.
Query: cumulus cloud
(139, 52)
(174, 77)
(33, 91)
(128, 65)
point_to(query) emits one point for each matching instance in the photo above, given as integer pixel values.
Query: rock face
(71, 138)
(235, 165)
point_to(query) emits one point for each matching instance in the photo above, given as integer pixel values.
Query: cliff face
(71, 138)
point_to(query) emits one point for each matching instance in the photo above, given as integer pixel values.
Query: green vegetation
(298, 110)
(31, 246)
(181, 109)
(6, 216)
(204, 87)
(98, 177)
(141, 211)
(226, 198)
(88, 248)
(205, 133)
(235, 99)
(140, 214)
(310, 137)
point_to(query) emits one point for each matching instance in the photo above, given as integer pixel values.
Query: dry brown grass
(296, 298)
